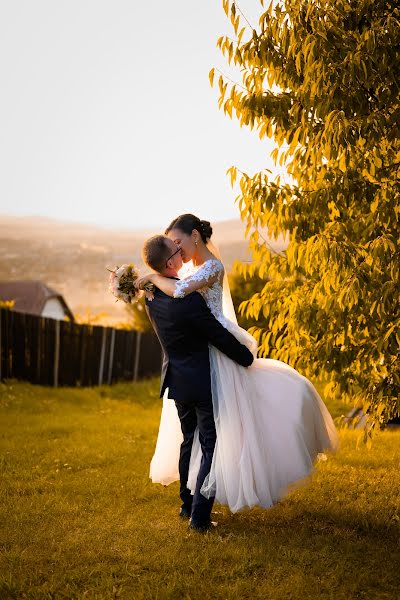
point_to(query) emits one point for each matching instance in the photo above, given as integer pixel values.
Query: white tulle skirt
(271, 425)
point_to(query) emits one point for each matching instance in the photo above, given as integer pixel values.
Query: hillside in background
(73, 257)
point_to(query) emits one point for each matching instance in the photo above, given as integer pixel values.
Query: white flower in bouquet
(122, 283)
(121, 270)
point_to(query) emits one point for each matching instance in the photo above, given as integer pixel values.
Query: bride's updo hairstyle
(188, 222)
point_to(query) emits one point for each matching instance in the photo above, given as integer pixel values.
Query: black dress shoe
(201, 527)
(184, 513)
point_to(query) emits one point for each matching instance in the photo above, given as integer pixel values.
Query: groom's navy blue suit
(185, 327)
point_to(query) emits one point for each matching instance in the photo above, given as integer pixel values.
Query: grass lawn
(80, 518)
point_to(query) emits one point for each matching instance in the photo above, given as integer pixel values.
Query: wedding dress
(271, 422)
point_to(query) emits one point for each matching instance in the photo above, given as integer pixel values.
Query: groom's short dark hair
(156, 252)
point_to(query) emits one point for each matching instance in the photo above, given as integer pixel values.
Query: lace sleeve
(209, 272)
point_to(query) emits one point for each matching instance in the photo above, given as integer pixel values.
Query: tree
(242, 288)
(322, 80)
(138, 318)
(8, 304)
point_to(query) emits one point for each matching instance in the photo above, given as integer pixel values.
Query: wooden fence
(51, 352)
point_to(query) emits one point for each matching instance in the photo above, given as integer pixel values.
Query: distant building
(35, 298)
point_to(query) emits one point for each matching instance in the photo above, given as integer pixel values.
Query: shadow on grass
(307, 525)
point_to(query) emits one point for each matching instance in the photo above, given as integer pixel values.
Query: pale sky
(107, 115)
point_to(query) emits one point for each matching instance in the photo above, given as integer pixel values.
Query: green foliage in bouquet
(322, 80)
(126, 282)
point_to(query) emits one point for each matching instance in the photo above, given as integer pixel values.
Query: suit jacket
(185, 327)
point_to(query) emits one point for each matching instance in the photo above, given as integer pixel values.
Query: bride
(270, 421)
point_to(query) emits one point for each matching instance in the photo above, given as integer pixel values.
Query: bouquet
(122, 283)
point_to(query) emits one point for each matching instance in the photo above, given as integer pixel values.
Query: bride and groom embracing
(234, 428)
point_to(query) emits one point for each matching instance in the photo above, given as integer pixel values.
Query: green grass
(80, 518)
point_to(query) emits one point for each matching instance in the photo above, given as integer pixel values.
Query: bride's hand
(142, 281)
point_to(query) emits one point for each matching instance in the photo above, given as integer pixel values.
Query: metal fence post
(110, 362)
(102, 355)
(137, 355)
(39, 349)
(57, 353)
(1, 341)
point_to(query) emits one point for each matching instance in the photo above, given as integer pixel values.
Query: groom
(185, 327)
